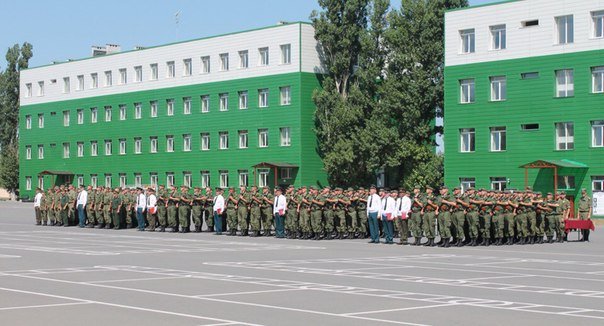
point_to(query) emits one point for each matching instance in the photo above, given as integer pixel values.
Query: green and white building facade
(229, 110)
(524, 96)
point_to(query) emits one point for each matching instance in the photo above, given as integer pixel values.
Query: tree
(17, 58)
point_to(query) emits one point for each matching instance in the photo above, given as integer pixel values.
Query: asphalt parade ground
(71, 276)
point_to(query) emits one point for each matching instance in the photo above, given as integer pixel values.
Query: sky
(66, 29)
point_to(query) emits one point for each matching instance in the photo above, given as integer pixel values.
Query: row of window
(565, 85)
(263, 102)
(564, 32)
(564, 182)
(223, 140)
(187, 179)
(153, 70)
(564, 136)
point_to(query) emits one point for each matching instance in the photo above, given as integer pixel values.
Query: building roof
(275, 165)
(555, 163)
(54, 172)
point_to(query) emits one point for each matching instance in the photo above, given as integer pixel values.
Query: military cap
(417, 187)
(350, 189)
(538, 193)
(428, 187)
(313, 188)
(327, 187)
(303, 187)
(583, 190)
(470, 188)
(549, 193)
(265, 187)
(218, 188)
(457, 188)
(291, 187)
(444, 187)
(231, 188)
(372, 187)
(561, 192)
(361, 188)
(338, 189)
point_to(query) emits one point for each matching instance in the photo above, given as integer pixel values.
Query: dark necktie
(370, 200)
(385, 202)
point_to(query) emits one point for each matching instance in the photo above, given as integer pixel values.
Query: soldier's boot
(328, 236)
(561, 239)
(586, 235)
(459, 243)
(550, 239)
(129, 226)
(447, 243)
(498, 242)
(162, 229)
(427, 244)
(418, 241)
(294, 235)
(541, 240)
(44, 223)
(300, 234)
(442, 242)
(453, 242)
(108, 226)
(100, 225)
(520, 241)
(197, 228)
(211, 229)
(174, 229)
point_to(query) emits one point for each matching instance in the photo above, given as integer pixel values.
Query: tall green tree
(17, 58)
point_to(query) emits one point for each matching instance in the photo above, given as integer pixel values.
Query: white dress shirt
(218, 203)
(403, 206)
(82, 198)
(373, 204)
(151, 201)
(279, 203)
(388, 206)
(38, 200)
(141, 202)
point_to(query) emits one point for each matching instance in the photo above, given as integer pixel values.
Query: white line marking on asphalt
(400, 309)
(248, 292)
(139, 279)
(45, 305)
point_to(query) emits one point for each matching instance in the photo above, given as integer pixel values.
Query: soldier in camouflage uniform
(363, 225)
(499, 204)
(537, 218)
(243, 204)
(565, 209)
(50, 213)
(116, 208)
(458, 218)
(340, 204)
(428, 221)
(316, 212)
(291, 219)
(173, 199)
(184, 209)
(584, 210)
(98, 206)
(304, 202)
(445, 203)
(90, 206)
(208, 198)
(73, 196)
(197, 209)
(107, 197)
(266, 209)
(162, 213)
(328, 212)
(231, 201)
(415, 223)
(351, 213)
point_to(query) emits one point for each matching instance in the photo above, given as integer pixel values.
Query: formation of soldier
(474, 217)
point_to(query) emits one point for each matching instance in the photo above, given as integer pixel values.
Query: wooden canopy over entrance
(551, 164)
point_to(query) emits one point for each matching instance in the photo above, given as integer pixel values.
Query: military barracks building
(524, 96)
(223, 111)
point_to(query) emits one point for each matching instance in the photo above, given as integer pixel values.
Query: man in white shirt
(279, 208)
(151, 209)
(38, 206)
(218, 210)
(388, 213)
(373, 211)
(403, 208)
(81, 205)
(141, 205)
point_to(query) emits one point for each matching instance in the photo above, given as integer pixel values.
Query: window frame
(498, 139)
(288, 137)
(263, 140)
(498, 88)
(243, 139)
(597, 125)
(223, 140)
(471, 133)
(568, 144)
(469, 94)
(286, 53)
(568, 88)
(597, 74)
(467, 41)
(263, 99)
(285, 95)
(564, 24)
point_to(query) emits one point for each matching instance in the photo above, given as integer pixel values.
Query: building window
(498, 88)
(205, 65)
(153, 179)
(65, 150)
(205, 179)
(80, 85)
(28, 121)
(498, 183)
(467, 90)
(153, 144)
(28, 90)
(565, 136)
(138, 110)
(286, 173)
(65, 118)
(94, 115)
(597, 183)
(169, 179)
(80, 149)
(224, 62)
(286, 54)
(170, 69)
(188, 67)
(597, 77)
(123, 180)
(566, 182)
(467, 140)
(466, 183)
(122, 147)
(153, 105)
(80, 114)
(529, 75)
(224, 102)
(263, 97)
(108, 180)
(108, 78)
(224, 179)
(169, 143)
(154, 71)
(243, 143)
(598, 23)
(94, 77)
(138, 74)
(186, 142)
(107, 114)
(28, 152)
(498, 139)
(94, 148)
(468, 40)
(263, 177)
(205, 103)
(529, 126)
(138, 180)
(27, 183)
(94, 180)
(138, 145)
(123, 76)
(565, 86)
(224, 139)
(564, 29)
(108, 148)
(170, 107)
(243, 100)
(285, 136)
(41, 120)
(243, 59)
(285, 95)
(79, 180)
(40, 88)
(186, 179)
(205, 141)
(597, 133)
(263, 54)
(243, 177)
(498, 37)
(40, 152)
(122, 112)
(186, 105)
(262, 137)
(66, 85)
